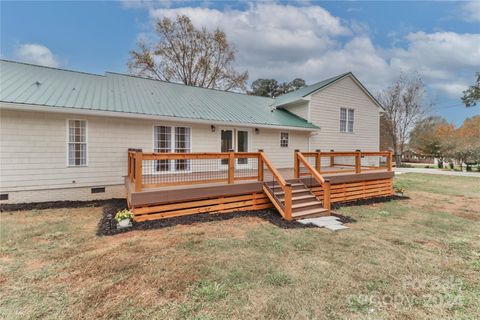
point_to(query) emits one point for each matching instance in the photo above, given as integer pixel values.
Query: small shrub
(124, 214)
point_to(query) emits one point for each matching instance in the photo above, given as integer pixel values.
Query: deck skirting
(221, 204)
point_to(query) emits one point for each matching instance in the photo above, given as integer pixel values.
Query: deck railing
(277, 189)
(333, 162)
(151, 170)
(301, 165)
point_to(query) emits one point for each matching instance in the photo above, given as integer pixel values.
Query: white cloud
(283, 41)
(37, 54)
(471, 11)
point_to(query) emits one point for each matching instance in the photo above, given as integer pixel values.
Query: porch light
(213, 128)
(257, 131)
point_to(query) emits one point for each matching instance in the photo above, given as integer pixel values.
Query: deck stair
(304, 203)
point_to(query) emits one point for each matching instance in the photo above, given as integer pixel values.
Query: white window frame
(68, 143)
(172, 166)
(282, 140)
(349, 118)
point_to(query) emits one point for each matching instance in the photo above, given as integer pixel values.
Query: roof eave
(128, 115)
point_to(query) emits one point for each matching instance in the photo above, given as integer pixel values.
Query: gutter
(127, 115)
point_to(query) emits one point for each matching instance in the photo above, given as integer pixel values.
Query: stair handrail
(324, 183)
(286, 211)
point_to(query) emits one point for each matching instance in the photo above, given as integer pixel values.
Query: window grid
(172, 139)
(77, 143)
(346, 120)
(284, 139)
(163, 144)
(182, 144)
(350, 120)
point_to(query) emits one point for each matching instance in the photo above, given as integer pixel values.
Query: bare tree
(404, 107)
(195, 57)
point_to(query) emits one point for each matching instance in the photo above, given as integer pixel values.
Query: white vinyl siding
(77, 143)
(346, 120)
(33, 148)
(364, 124)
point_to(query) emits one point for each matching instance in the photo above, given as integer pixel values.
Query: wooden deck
(241, 185)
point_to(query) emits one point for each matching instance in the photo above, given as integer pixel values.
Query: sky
(313, 40)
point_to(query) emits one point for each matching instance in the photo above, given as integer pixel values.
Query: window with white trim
(284, 139)
(172, 139)
(77, 143)
(346, 120)
(182, 144)
(163, 143)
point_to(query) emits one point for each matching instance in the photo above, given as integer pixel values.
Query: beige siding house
(64, 135)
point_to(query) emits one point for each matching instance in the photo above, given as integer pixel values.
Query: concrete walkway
(330, 222)
(437, 171)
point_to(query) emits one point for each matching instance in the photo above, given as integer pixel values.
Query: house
(65, 134)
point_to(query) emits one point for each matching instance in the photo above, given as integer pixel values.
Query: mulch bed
(361, 202)
(108, 226)
(55, 205)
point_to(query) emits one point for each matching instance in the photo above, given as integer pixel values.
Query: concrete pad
(329, 222)
(336, 228)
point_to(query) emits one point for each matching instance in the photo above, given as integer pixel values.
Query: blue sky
(312, 40)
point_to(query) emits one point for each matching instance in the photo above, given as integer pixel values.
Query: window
(163, 143)
(182, 144)
(77, 143)
(346, 120)
(284, 139)
(172, 139)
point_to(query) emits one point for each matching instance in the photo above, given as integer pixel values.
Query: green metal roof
(305, 91)
(23, 83)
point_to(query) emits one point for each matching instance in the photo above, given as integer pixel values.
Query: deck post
(288, 201)
(260, 165)
(326, 196)
(317, 160)
(332, 159)
(138, 171)
(231, 167)
(389, 161)
(358, 158)
(296, 169)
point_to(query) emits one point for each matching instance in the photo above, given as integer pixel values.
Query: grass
(406, 259)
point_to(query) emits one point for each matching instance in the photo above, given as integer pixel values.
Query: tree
(466, 148)
(195, 57)
(472, 94)
(404, 107)
(271, 87)
(430, 138)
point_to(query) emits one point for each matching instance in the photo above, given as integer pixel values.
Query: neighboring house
(65, 134)
(410, 155)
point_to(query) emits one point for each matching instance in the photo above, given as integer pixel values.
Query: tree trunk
(398, 160)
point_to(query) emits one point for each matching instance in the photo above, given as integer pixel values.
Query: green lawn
(406, 259)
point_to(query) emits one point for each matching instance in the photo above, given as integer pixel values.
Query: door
(236, 140)
(226, 142)
(242, 145)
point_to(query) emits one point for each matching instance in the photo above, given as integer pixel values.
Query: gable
(346, 92)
